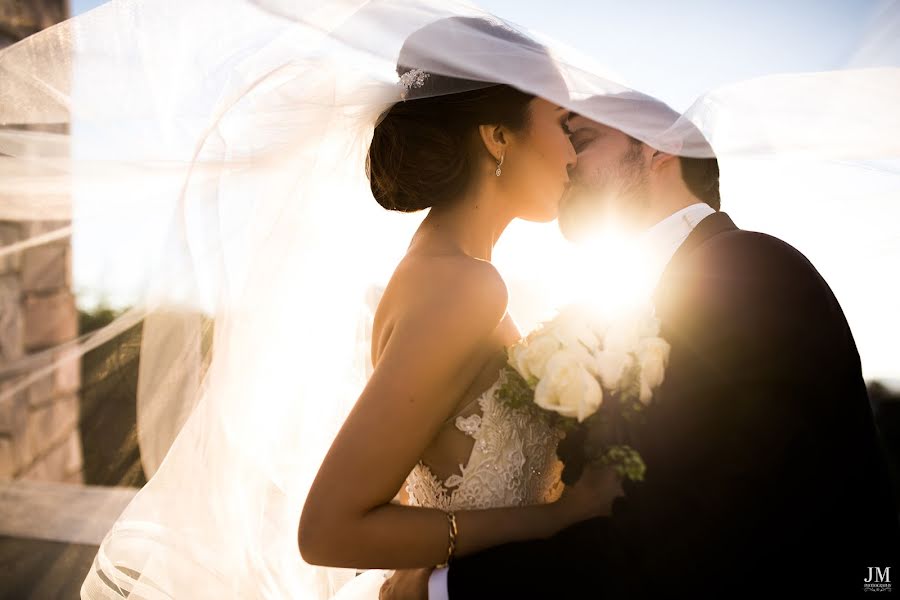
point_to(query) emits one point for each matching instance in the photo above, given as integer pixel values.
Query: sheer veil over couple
(336, 448)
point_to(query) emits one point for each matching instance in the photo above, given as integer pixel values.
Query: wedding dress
(513, 462)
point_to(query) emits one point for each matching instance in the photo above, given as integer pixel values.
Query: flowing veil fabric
(227, 140)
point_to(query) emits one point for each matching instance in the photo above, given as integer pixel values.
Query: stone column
(39, 435)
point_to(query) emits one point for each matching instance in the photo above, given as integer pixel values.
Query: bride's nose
(571, 157)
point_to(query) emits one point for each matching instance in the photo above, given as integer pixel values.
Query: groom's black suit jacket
(765, 472)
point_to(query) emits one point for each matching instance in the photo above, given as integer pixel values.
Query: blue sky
(678, 50)
(80, 6)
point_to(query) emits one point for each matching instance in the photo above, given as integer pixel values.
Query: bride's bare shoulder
(439, 280)
(428, 286)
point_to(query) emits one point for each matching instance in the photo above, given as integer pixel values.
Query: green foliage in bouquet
(629, 394)
(514, 390)
(626, 460)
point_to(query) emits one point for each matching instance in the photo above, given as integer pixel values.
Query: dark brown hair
(424, 151)
(701, 175)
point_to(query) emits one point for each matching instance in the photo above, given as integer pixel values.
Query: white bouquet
(581, 369)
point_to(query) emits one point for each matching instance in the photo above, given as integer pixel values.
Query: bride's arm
(348, 519)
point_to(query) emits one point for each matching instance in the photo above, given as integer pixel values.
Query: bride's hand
(591, 496)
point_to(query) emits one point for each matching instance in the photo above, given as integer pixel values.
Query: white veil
(228, 142)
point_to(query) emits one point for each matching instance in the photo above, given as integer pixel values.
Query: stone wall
(39, 435)
(21, 18)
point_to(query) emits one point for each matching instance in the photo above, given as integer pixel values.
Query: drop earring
(499, 164)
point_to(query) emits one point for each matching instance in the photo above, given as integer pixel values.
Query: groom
(765, 475)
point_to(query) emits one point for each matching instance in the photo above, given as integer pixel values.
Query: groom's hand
(406, 584)
(592, 495)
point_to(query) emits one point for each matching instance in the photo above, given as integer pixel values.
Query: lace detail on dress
(513, 461)
(469, 425)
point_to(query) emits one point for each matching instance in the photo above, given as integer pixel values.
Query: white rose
(623, 336)
(610, 366)
(643, 312)
(646, 393)
(650, 327)
(654, 355)
(530, 358)
(585, 358)
(572, 329)
(568, 388)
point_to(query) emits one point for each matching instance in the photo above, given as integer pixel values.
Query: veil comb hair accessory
(414, 78)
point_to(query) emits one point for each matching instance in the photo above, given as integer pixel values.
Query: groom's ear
(660, 159)
(494, 139)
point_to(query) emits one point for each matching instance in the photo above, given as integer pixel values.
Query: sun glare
(618, 274)
(545, 273)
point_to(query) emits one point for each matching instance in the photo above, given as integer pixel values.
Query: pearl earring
(499, 164)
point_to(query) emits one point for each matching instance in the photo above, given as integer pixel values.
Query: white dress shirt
(661, 242)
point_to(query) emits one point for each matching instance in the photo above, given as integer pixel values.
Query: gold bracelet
(451, 548)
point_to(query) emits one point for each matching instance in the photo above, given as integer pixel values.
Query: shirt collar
(661, 241)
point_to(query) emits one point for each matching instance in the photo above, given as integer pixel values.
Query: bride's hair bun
(425, 148)
(424, 151)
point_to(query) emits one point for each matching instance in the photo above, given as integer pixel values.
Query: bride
(477, 474)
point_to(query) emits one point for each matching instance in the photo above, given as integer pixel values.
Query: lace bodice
(513, 462)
